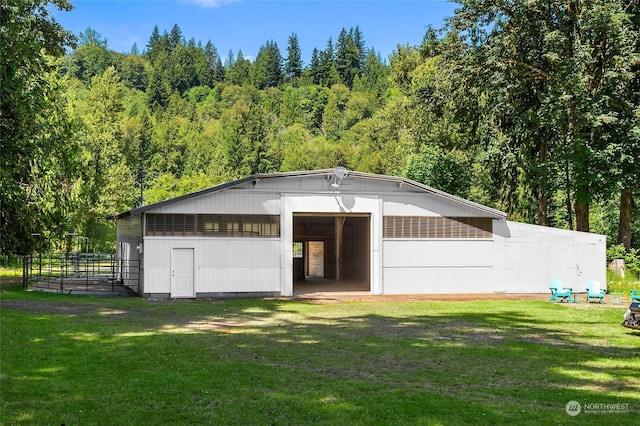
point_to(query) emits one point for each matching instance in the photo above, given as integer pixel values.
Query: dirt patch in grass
(48, 307)
(6, 282)
(72, 308)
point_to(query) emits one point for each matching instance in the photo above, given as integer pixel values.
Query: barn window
(415, 227)
(212, 225)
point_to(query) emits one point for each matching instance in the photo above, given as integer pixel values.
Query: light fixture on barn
(338, 173)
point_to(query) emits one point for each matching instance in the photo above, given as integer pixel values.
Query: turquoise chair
(559, 293)
(635, 296)
(595, 291)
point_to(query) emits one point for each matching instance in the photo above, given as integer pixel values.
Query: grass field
(80, 360)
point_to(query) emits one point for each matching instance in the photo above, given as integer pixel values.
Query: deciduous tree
(35, 154)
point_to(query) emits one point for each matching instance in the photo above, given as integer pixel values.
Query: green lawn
(79, 360)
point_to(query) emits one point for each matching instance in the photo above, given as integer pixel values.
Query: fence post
(112, 260)
(64, 267)
(24, 272)
(86, 267)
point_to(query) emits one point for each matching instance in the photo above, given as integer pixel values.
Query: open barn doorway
(331, 253)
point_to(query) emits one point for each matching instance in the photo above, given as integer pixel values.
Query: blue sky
(248, 24)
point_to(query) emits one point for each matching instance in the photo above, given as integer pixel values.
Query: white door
(316, 259)
(182, 272)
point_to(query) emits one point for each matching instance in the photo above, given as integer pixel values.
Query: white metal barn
(272, 234)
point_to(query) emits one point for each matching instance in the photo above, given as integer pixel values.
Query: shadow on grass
(290, 362)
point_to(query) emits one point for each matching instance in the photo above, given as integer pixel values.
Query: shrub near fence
(10, 261)
(66, 272)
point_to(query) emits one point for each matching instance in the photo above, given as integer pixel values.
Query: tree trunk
(567, 183)
(624, 224)
(543, 198)
(582, 216)
(543, 203)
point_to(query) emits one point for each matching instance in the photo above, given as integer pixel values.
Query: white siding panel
(246, 202)
(157, 280)
(220, 264)
(532, 263)
(331, 203)
(591, 263)
(157, 252)
(527, 257)
(438, 280)
(437, 253)
(426, 205)
(234, 280)
(322, 184)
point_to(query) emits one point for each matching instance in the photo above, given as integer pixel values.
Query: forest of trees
(532, 108)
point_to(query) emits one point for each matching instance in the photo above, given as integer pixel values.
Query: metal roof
(496, 214)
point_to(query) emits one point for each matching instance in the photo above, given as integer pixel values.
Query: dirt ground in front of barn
(366, 296)
(320, 297)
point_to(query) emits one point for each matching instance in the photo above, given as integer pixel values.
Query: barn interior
(331, 253)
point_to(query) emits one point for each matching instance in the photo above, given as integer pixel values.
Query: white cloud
(214, 3)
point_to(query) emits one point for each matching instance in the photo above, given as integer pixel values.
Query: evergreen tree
(314, 66)
(182, 71)
(293, 63)
(239, 73)
(327, 73)
(374, 76)
(214, 63)
(91, 37)
(152, 44)
(203, 68)
(158, 90)
(347, 58)
(359, 41)
(219, 71)
(175, 38)
(230, 61)
(266, 71)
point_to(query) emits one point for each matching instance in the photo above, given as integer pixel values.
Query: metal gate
(81, 273)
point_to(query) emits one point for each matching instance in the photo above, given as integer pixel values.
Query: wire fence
(80, 272)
